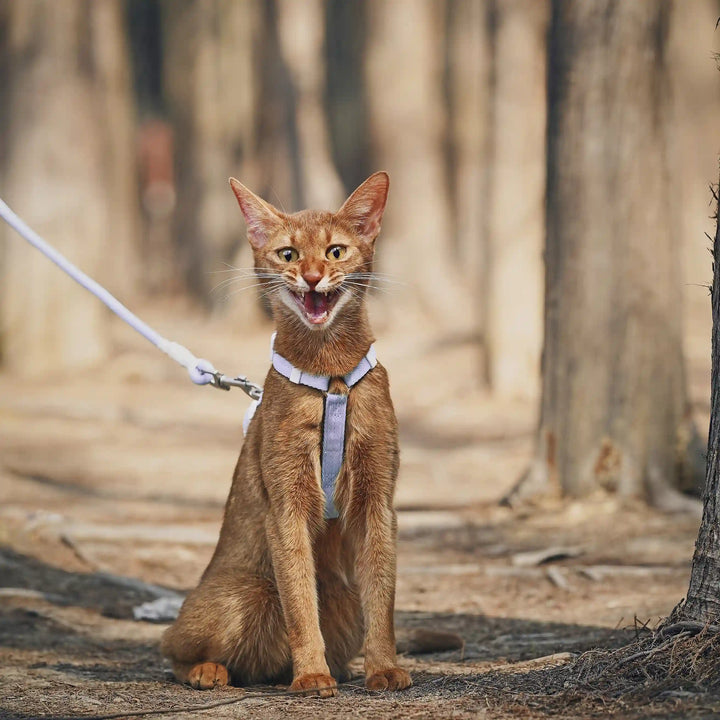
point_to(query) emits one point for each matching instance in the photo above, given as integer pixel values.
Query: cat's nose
(312, 278)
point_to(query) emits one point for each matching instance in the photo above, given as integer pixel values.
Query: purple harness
(333, 438)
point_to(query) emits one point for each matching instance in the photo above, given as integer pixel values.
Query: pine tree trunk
(68, 169)
(702, 603)
(614, 413)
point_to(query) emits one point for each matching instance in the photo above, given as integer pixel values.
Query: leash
(201, 371)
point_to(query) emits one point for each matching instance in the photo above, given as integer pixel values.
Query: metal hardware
(223, 382)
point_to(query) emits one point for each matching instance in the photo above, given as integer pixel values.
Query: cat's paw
(392, 678)
(315, 684)
(208, 675)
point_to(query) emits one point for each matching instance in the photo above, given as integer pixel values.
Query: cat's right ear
(261, 217)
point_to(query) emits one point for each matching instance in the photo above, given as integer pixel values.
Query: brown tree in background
(515, 165)
(68, 168)
(211, 85)
(469, 58)
(614, 411)
(408, 124)
(301, 32)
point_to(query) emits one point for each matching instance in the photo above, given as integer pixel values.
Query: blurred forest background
(545, 323)
(549, 164)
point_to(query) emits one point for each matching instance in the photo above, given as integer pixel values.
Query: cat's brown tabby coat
(287, 593)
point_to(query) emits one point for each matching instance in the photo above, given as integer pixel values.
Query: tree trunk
(468, 48)
(301, 31)
(516, 194)
(702, 603)
(345, 97)
(211, 89)
(614, 414)
(408, 125)
(695, 85)
(68, 169)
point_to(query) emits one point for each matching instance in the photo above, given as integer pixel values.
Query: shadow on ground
(75, 667)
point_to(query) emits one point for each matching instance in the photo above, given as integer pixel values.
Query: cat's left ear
(363, 210)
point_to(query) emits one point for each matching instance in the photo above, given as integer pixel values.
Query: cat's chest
(293, 413)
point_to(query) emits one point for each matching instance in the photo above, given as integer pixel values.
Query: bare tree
(72, 177)
(614, 412)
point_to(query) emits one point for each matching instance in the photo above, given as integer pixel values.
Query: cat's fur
(287, 594)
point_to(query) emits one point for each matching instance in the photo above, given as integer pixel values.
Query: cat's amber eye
(288, 254)
(336, 252)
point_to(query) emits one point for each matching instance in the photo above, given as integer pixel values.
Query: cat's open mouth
(315, 306)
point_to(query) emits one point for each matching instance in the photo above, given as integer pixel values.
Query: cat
(303, 575)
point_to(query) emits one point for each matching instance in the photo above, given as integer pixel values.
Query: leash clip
(223, 382)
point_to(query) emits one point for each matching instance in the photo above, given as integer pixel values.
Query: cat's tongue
(316, 306)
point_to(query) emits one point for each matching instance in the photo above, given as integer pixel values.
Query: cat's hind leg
(229, 629)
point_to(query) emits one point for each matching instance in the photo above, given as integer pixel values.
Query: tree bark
(702, 603)
(614, 413)
(68, 169)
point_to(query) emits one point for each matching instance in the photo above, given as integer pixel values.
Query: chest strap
(335, 416)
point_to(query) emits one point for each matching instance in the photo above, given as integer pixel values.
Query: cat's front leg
(290, 542)
(376, 569)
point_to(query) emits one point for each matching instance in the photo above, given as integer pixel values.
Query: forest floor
(112, 490)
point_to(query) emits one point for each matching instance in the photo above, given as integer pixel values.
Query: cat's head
(316, 263)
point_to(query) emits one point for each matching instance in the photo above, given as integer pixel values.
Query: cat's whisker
(368, 286)
(228, 281)
(380, 277)
(273, 288)
(352, 292)
(239, 278)
(231, 281)
(232, 268)
(267, 294)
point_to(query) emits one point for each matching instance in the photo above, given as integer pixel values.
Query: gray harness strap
(333, 440)
(333, 448)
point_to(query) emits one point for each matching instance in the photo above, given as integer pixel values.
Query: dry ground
(112, 487)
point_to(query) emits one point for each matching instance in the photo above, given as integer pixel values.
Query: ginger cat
(289, 593)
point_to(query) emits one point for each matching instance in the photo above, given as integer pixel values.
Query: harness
(335, 415)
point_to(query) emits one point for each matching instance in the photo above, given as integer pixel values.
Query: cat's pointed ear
(261, 217)
(363, 210)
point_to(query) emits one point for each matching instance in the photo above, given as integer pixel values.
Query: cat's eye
(336, 252)
(288, 254)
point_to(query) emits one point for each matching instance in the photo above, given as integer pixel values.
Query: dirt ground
(112, 485)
